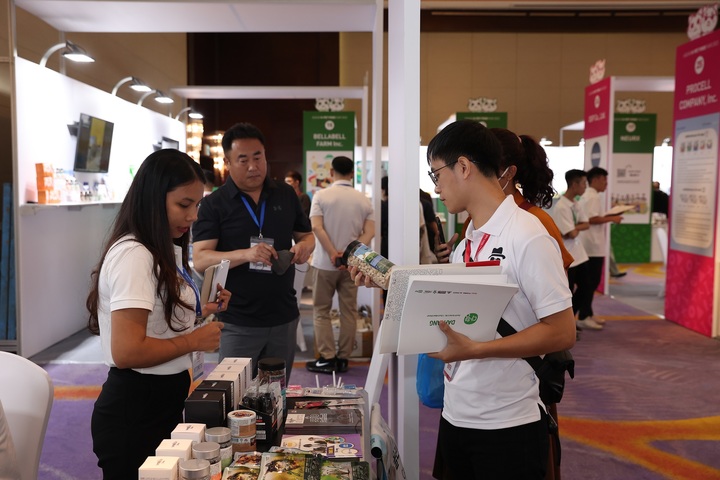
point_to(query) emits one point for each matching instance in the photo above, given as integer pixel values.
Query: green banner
(326, 135)
(634, 132)
(489, 119)
(631, 184)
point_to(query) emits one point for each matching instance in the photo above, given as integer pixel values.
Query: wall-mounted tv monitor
(94, 139)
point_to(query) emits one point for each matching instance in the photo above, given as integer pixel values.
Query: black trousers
(587, 279)
(515, 453)
(132, 415)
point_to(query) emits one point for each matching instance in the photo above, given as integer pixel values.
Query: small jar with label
(209, 451)
(221, 436)
(242, 423)
(369, 262)
(271, 370)
(194, 469)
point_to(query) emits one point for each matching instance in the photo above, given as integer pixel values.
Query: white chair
(662, 238)
(27, 397)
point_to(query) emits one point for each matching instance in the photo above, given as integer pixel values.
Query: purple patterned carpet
(643, 405)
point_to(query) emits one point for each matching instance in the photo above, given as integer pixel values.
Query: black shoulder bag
(550, 369)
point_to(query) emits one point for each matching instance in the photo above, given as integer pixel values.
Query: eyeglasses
(432, 173)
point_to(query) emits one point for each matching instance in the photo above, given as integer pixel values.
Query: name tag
(450, 369)
(260, 266)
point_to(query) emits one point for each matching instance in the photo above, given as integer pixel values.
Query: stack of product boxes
(45, 179)
(206, 442)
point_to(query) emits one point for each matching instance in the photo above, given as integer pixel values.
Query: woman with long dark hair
(145, 306)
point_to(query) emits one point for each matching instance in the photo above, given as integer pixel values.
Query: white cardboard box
(159, 468)
(234, 369)
(192, 431)
(246, 362)
(175, 447)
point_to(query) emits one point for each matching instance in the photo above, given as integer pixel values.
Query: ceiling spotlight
(162, 98)
(72, 52)
(544, 142)
(159, 97)
(135, 83)
(191, 113)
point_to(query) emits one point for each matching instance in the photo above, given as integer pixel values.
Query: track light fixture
(72, 52)
(135, 83)
(160, 97)
(191, 113)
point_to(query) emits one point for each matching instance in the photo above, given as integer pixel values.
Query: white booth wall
(57, 246)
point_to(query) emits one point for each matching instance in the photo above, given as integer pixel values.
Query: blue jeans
(260, 342)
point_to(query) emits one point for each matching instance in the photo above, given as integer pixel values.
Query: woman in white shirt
(145, 307)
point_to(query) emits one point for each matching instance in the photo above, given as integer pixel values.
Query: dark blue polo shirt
(258, 299)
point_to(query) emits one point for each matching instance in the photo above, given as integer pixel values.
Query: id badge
(260, 266)
(450, 369)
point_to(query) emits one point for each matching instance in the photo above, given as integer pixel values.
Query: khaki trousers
(327, 282)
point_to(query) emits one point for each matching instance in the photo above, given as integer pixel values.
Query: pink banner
(690, 275)
(689, 291)
(597, 109)
(697, 77)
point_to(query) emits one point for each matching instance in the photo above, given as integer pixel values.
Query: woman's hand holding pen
(220, 304)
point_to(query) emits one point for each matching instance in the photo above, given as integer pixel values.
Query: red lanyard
(483, 241)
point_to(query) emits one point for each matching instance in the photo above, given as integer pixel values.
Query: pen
(220, 304)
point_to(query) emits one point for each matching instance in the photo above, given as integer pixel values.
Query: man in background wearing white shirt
(339, 214)
(571, 220)
(595, 240)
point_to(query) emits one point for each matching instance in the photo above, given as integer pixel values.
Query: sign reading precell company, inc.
(692, 297)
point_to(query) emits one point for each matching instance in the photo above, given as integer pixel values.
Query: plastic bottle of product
(85, 193)
(369, 262)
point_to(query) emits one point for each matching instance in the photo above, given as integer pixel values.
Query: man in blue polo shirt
(252, 221)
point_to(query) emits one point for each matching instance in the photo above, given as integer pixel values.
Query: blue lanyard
(254, 217)
(189, 280)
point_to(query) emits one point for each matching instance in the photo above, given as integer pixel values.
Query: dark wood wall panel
(263, 59)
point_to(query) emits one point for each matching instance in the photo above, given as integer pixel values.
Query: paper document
(471, 305)
(388, 335)
(214, 274)
(619, 209)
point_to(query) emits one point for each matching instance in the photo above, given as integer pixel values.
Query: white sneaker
(598, 320)
(588, 324)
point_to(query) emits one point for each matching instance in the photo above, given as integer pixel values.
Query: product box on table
(245, 362)
(159, 468)
(227, 377)
(224, 386)
(266, 424)
(206, 407)
(175, 447)
(234, 369)
(193, 431)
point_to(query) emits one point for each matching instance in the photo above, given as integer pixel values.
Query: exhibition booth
(50, 108)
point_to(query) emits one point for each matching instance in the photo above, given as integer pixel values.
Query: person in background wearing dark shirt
(660, 199)
(294, 179)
